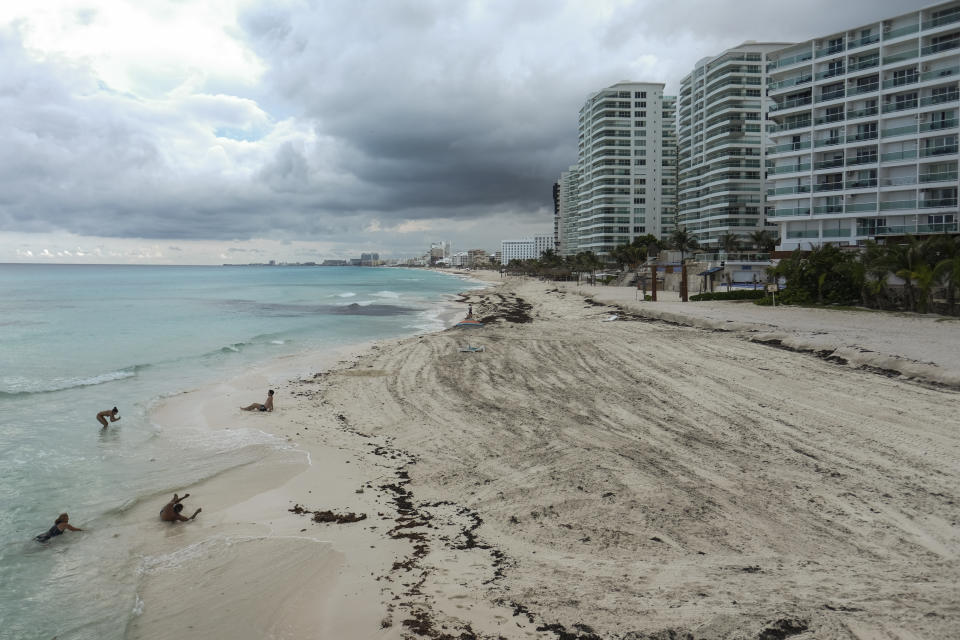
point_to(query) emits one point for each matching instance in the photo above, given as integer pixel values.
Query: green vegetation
(829, 275)
(736, 294)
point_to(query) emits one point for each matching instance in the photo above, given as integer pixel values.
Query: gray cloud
(369, 115)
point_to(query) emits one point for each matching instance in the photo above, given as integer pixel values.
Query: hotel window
(835, 45)
(942, 94)
(834, 68)
(639, 201)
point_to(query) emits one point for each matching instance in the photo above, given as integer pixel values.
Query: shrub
(738, 294)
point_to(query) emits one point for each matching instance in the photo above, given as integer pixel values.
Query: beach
(604, 468)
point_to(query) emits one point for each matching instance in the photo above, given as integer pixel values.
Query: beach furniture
(469, 322)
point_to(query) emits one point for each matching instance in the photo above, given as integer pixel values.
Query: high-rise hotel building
(722, 138)
(624, 181)
(865, 138)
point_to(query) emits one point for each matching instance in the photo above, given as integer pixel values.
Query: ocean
(78, 339)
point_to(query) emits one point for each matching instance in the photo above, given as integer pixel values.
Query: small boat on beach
(469, 322)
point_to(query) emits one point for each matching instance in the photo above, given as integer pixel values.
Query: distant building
(624, 182)
(525, 248)
(369, 259)
(334, 263)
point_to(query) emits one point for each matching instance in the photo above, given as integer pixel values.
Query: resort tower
(721, 144)
(617, 190)
(865, 142)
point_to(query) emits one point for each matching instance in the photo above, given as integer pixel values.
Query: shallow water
(75, 340)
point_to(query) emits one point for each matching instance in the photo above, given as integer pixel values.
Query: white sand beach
(668, 474)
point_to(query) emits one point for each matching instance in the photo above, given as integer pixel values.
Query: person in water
(171, 510)
(266, 406)
(109, 413)
(61, 524)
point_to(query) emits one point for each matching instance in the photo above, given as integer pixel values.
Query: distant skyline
(171, 132)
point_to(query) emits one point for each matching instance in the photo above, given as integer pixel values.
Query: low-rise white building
(525, 248)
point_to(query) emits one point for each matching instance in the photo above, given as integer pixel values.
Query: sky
(237, 131)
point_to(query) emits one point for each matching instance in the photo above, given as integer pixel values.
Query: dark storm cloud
(369, 114)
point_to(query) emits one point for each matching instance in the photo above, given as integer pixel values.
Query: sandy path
(635, 477)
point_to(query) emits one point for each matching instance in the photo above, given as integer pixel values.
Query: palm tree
(763, 240)
(730, 242)
(684, 241)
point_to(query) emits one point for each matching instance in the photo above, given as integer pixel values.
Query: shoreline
(333, 597)
(467, 473)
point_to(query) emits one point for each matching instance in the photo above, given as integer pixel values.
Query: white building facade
(525, 248)
(865, 142)
(616, 190)
(722, 140)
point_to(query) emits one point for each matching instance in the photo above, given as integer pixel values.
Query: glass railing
(899, 155)
(783, 62)
(899, 230)
(794, 168)
(901, 31)
(860, 207)
(862, 113)
(899, 182)
(867, 63)
(827, 186)
(901, 81)
(864, 41)
(828, 164)
(862, 184)
(828, 208)
(900, 131)
(829, 142)
(900, 57)
(780, 191)
(789, 104)
(941, 176)
(833, 117)
(856, 160)
(802, 234)
(901, 105)
(939, 73)
(831, 95)
(937, 125)
(790, 146)
(940, 98)
(784, 213)
(863, 135)
(863, 88)
(942, 20)
(829, 51)
(898, 204)
(934, 203)
(940, 46)
(830, 73)
(938, 150)
(790, 82)
(787, 126)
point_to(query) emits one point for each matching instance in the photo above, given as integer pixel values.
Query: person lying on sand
(61, 524)
(171, 510)
(109, 413)
(266, 406)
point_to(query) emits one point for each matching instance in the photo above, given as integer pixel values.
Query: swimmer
(109, 413)
(256, 406)
(171, 510)
(61, 524)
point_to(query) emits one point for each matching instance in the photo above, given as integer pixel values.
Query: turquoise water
(75, 340)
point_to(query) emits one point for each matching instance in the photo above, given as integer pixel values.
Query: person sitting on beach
(171, 510)
(266, 406)
(61, 524)
(109, 413)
